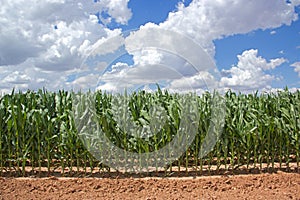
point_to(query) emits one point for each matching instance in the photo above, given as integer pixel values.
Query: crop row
(38, 129)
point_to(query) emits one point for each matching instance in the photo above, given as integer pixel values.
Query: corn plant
(37, 129)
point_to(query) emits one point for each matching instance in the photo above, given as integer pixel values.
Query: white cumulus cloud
(206, 20)
(296, 65)
(49, 38)
(250, 73)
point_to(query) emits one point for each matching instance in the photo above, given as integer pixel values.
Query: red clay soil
(278, 185)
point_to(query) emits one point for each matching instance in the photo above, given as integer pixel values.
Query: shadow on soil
(160, 174)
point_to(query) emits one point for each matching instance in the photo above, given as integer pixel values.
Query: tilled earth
(278, 185)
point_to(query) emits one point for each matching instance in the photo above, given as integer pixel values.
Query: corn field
(37, 131)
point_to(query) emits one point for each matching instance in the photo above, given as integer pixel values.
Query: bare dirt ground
(279, 185)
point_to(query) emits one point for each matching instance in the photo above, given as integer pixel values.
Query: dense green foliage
(37, 129)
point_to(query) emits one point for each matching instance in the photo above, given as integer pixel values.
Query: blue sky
(155, 11)
(254, 44)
